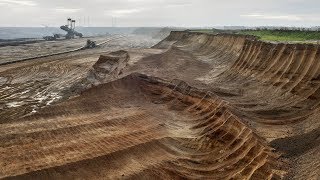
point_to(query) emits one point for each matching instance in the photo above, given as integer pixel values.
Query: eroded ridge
(275, 81)
(292, 68)
(273, 87)
(168, 130)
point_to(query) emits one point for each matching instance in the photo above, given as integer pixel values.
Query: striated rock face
(108, 67)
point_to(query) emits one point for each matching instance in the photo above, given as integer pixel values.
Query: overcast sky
(186, 13)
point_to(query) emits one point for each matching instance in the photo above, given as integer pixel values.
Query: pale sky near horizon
(179, 13)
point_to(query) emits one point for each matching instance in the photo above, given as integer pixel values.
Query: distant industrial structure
(69, 28)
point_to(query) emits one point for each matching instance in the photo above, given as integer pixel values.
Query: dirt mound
(108, 67)
(168, 130)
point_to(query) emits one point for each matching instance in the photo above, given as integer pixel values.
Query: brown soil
(195, 106)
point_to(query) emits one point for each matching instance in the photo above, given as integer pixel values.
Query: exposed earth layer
(194, 106)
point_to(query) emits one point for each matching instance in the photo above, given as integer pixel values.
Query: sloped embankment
(168, 130)
(273, 87)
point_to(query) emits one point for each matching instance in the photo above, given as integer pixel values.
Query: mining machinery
(69, 28)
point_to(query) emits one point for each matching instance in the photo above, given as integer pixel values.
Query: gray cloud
(18, 2)
(188, 13)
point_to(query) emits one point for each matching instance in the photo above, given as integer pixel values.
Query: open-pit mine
(192, 106)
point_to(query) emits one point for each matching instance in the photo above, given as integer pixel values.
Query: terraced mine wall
(202, 107)
(206, 43)
(290, 67)
(274, 87)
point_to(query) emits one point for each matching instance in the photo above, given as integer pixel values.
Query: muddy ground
(193, 106)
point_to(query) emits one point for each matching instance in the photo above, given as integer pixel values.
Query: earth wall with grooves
(169, 130)
(194, 106)
(274, 87)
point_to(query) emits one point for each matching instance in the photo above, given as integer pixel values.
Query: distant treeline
(283, 29)
(284, 34)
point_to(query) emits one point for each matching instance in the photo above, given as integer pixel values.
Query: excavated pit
(195, 106)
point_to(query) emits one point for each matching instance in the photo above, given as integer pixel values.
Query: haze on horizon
(178, 13)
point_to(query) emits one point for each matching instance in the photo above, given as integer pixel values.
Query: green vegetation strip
(271, 35)
(279, 35)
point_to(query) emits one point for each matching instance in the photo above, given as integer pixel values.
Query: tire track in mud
(33, 86)
(57, 53)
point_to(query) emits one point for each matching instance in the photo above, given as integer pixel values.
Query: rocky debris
(108, 67)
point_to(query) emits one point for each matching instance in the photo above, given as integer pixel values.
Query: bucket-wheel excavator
(69, 28)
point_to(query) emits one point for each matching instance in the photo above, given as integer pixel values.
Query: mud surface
(194, 106)
(30, 85)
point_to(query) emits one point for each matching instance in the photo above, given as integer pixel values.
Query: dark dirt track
(195, 106)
